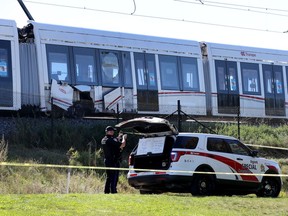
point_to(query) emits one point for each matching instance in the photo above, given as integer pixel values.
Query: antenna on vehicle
(25, 10)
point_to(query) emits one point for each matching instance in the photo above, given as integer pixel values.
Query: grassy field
(41, 191)
(134, 204)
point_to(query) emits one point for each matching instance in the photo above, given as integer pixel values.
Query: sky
(257, 23)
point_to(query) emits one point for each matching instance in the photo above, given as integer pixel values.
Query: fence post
(68, 180)
(179, 116)
(118, 113)
(238, 122)
(52, 122)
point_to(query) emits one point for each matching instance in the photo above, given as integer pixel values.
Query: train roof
(54, 34)
(244, 53)
(8, 29)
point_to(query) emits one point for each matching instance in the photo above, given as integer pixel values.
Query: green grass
(41, 191)
(135, 204)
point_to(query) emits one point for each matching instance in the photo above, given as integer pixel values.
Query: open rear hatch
(154, 148)
(149, 126)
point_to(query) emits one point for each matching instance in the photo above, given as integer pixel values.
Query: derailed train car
(86, 71)
(10, 77)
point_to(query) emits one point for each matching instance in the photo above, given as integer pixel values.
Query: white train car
(141, 74)
(10, 87)
(245, 80)
(87, 71)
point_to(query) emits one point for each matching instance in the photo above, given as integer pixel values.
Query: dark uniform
(112, 153)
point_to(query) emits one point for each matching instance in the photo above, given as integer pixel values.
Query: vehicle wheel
(270, 187)
(203, 185)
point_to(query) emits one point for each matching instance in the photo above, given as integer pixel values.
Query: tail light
(175, 156)
(131, 160)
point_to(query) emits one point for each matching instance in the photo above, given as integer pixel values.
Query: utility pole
(25, 10)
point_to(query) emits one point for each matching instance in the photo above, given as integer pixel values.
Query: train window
(84, 59)
(273, 79)
(3, 62)
(110, 68)
(287, 74)
(221, 77)
(250, 78)
(151, 72)
(232, 79)
(58, 63)
(169, 72)
(278, 81)
(6, 78)
(127, 69)
(226, 73)
(140, 69)
(189, 73)
(145, 71)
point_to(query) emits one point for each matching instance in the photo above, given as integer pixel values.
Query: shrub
(3, 149)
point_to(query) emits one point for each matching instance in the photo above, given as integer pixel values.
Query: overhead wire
(156, 17)
(134, 7)
(234, 8)
(236, 5)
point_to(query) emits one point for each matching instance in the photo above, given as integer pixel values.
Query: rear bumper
(161, 183)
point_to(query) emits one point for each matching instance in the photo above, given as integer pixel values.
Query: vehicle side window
(217, 145)
(238, 148)
(186, 142)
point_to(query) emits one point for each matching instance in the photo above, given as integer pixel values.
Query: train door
(274, 91)
(147, 92)
(6, 82)
(227, 87)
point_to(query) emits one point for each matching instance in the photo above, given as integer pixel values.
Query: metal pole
(179, 116)
(52, 122)
(68, 180)
(238, 122)
(118, 114)
(25, 10)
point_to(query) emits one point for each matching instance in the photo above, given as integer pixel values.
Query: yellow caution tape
(132, 169)
(271, 147)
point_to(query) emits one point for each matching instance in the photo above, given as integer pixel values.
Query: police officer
(112, 147)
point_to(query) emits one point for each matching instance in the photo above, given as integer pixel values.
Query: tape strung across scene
(127, 169)
(145, 170)
(271, 147)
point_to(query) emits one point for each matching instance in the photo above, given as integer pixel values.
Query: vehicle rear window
(186, 142)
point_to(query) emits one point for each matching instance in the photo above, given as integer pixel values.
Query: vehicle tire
(270, 187)
(203, 185)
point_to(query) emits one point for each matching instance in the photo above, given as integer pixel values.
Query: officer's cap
(110, 128)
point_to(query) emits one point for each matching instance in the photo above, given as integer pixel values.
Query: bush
(3, 149)
(57, 134)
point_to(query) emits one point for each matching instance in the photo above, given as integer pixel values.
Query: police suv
(202, 164)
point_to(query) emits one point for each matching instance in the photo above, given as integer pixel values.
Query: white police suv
(202, 164)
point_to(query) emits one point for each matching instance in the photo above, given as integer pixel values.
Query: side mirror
(254, 153)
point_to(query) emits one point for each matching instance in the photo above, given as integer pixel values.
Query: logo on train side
(62, 90)
(244, 53)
